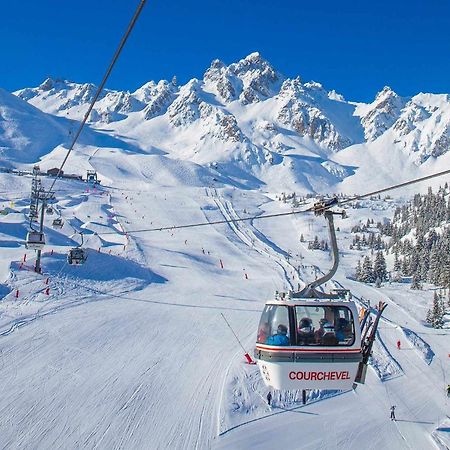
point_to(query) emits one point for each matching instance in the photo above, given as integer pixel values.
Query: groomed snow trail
(130, 350)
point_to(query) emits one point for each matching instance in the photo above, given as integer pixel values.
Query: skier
(448, 390)
(393, 412)
(269, 398)
(399, 344)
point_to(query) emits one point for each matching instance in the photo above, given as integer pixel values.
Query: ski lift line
(290, 213)
(215, 222)
(100, 87)
(396, 186)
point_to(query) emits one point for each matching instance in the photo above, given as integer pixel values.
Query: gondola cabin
(309, 343)
(35, 240)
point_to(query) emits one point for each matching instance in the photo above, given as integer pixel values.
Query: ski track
(253, 238)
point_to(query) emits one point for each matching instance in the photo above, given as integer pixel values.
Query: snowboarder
(269, 398)
(399, 344)
(393, 412)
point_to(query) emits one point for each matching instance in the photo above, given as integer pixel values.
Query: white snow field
(130, 350)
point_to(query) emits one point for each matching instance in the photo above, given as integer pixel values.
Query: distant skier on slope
(399, 344)
(269, 398)
(393, 412)
(448, 390)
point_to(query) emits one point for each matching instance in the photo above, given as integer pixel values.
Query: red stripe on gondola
(313, 350)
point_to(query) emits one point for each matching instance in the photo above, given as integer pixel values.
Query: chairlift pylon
(312, 339)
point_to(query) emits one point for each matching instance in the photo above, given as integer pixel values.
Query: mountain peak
(217, 64)
(253, 61)
(382, 113)
(385, 93)
(255, 57)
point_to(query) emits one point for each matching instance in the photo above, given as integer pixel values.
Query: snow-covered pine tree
(435, 316)
(379, 267)
(316, 244)
(397, 264)
(405, 266)
(415, 284)
(367, 271)
(358, 272)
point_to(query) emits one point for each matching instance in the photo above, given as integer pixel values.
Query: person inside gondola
(305, 332)
(280, 338)
(341, 329)
(318, 334)
(329, 336)
(263, 332)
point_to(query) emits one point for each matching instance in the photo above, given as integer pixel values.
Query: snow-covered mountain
(26, 133)
(113, 352)
(250, 119)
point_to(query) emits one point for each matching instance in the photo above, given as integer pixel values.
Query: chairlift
(77, 255)
(92, 178)
(311, 339)
(58, 222)
(35, 240)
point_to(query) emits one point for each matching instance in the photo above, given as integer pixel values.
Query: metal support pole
(334, 252)
(235, 335)
(37, 267)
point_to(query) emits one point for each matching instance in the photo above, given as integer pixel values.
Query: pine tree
(379, 267)
(316, 243)
(397, 265)
(415, 284)
(435, 316)
(435, 264)
(358, 272)
(429, 317)
(405, 266)
(367, 271)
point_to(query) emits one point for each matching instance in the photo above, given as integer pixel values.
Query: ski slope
(130, 350)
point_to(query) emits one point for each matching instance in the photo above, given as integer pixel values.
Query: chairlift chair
(76, 256)
(312, 339)
(49, 210)
(58, 222)
(35, 240)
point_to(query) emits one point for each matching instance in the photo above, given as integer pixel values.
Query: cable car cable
(290, 213)
(100, 87)
(396, 186)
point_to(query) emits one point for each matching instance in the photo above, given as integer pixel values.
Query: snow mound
(424, 348)
(383, 363)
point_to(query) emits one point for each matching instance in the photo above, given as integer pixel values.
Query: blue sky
(355, 47)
